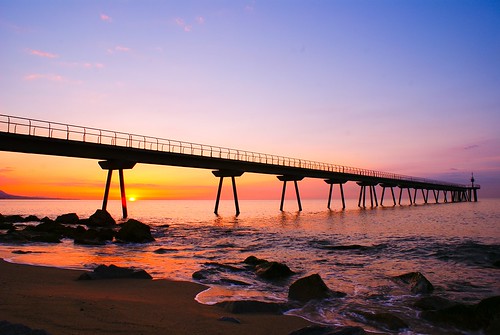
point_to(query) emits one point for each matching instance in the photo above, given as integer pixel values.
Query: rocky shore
(100, 228)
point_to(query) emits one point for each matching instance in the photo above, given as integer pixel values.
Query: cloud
(118, 48)
(6, 169)
(181, 23)
(200, 20)
(85, 65)
(473, 146)
(40, 53)
(49, 77)
(38, 76)
(106, 18)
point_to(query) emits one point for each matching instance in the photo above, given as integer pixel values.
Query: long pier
(120, 151)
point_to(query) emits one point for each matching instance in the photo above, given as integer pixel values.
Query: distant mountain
(4, 196)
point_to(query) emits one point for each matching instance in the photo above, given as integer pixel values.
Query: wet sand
(52, 299)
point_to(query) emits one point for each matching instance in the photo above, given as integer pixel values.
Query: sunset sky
(411, 87)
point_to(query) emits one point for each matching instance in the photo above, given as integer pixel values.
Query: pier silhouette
(121, 151)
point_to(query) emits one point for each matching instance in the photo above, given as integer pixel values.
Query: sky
(410, 87)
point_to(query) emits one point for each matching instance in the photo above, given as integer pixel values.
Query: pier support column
(401, 188)
(436, 197)
(111, 165)
(384, 186)
(362, 193)
(295, 179)
(227, 173)
(445, 194)
(341, 183)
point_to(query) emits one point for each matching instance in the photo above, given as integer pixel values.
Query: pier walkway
(119, 151)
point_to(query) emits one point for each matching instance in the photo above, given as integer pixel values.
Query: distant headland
(6, 196)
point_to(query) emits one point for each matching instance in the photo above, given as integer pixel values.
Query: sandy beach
(54, 300)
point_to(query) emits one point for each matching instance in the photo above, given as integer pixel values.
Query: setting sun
(132, 198)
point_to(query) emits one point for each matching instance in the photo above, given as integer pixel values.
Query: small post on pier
(295, 179)
(111, 165)
(227, 173)
(341, 183)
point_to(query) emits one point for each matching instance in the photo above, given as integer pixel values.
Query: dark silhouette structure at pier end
(121, 151)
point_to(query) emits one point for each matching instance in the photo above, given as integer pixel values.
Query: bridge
(119, 151)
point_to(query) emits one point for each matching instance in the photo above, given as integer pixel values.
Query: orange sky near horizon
(407, 87)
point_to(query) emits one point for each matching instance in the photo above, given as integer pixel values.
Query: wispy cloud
(118, 48)
(6, 169)
(85, 65)
(473, 146)
(181, 23)
(40, 53)
(38, 76)
(105, 18)
(49, 77)
(187, 27)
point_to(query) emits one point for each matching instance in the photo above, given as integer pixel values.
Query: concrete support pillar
(222, 174)
(111, 165)
(295, 179)
(339, 182)
(362, 193)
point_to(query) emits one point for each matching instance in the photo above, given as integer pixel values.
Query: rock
(273, 270)
(134, 231)
(487, 310)
(496, 264)
(493, 328)
(6, 225)
(100, 218)
(13, 218)
(254, 261)
(386, 321)
(309, 288)
(70, 218)
(19, 329)
(459, 316)
(93, 236)
(328, 330)
(162, 251)
(229, 319)
(114, 272)
(416, 282)
(31, 218)
(252, 306)
(432, 303)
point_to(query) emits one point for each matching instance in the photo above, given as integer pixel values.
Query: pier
(121, 151)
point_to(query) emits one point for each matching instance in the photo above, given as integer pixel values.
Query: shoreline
(54, 300)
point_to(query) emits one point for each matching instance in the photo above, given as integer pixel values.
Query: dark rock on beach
(70, 218)
(328, 330)
(273, 270)
(432, 303)
(6, 225)
(134, 231)
(19, 329)
(31, 218)
(416, 282)
(114, 272)
(385, 321)
(100, 218)
(311, 287)
(252, 306)
(93, 236)
(254, 261)
(12, 218)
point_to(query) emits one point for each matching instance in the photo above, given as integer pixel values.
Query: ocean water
(355, 251)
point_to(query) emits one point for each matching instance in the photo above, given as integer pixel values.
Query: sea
(456, 246)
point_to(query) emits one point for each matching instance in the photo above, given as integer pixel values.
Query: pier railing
(55, 130)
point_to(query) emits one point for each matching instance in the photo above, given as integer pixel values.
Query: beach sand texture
(52, 299)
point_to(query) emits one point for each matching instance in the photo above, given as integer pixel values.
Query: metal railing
(33, 127)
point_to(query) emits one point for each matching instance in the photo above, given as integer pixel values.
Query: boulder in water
(309, 288)
(100, 218)
(70, 218)
(416, 282)
(134, 231)
(273, 270)
(386, 321)
(19, 329)
(114, 272)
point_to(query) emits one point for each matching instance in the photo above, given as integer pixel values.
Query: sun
(132, 199)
